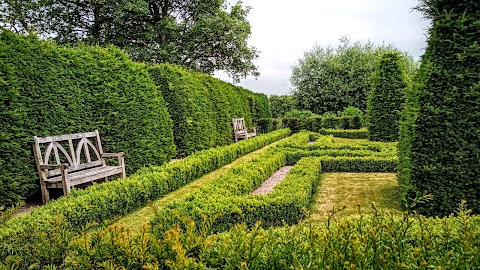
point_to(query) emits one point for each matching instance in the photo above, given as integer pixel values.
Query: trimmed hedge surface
(441, 138)
(202, 107)
(51, 90)
(105, 201)
(346, 133)
(386, 99)
(229, 199)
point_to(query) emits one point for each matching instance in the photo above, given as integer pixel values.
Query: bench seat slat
(85, 176)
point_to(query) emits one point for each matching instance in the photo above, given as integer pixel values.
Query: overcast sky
(283, 30)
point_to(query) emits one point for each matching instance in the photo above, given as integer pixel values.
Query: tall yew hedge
(386, 99)
(440, 143)
(202, 107)
(46, 90)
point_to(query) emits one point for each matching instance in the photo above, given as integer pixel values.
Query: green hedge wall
(442, 145)
(202, 107)
(50, 90)
(385, 100)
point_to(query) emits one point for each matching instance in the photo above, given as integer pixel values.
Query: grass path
(355, 192)
(137, 220)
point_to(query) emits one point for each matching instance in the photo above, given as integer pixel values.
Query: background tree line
(201, 35)
(330, 79)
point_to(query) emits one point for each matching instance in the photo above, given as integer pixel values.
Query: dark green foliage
(261, 106)
(206, 35)
(313, 123)
(282, 104)
(202, 107)
(294, 124)
(346, 133)
(385, 101)
(356, 122)
(330, 79)
(331, 122)
(304, 114)
(264, 125)
(50, 90)
(441, 141)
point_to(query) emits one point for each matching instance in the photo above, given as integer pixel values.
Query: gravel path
(272, 181)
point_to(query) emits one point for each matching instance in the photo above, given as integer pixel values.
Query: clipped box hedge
(47, 89)
(346, 133)
(105, 201)
(229, 199)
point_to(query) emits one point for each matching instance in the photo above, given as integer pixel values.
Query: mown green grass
(352, 194)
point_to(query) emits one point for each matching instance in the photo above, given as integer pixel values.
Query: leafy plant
(441, 138)
(386, 99)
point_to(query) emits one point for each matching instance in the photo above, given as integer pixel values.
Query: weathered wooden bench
(77, 159)
(240, 130)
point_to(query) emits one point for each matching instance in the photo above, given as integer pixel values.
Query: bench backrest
(239, 125)
(81, 151)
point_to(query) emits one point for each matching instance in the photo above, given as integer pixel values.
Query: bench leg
(45, 193)
(121, 162)
(105, 179)
(65, 183)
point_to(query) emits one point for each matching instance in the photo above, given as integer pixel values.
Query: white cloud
(283, 30)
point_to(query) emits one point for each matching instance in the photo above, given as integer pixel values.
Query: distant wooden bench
(77, 159)
(240, 130)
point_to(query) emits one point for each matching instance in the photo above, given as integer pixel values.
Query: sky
(283, 30)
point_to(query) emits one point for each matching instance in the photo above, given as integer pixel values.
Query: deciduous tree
(329, 79)
(201, 35)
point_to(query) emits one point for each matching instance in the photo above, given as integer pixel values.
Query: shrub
(442, 142)
(349, 133)
(50, 90)
(105, 201)
(294, 124)
(299, 114)
(386, 99)
(282, 104)
(352, 111)
(202, 107)
(313, 123)
(264, 125)
(331, 121)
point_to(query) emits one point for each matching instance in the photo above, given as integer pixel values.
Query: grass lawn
(353, 193)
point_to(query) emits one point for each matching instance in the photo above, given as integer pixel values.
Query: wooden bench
(67, 160)
(240, 130)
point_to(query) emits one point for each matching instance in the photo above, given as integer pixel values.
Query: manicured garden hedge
(441, 136)
(346, 133)
(386, 99)
(202, 107)
(105, 201)
(229, 198)
(51, 90)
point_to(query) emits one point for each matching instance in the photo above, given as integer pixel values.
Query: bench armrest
(54, 166)
(120, 154)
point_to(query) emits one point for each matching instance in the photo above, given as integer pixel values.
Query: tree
(201, 35)
(386, 99)
(440, 140)
(282, 104)
(331, 79)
